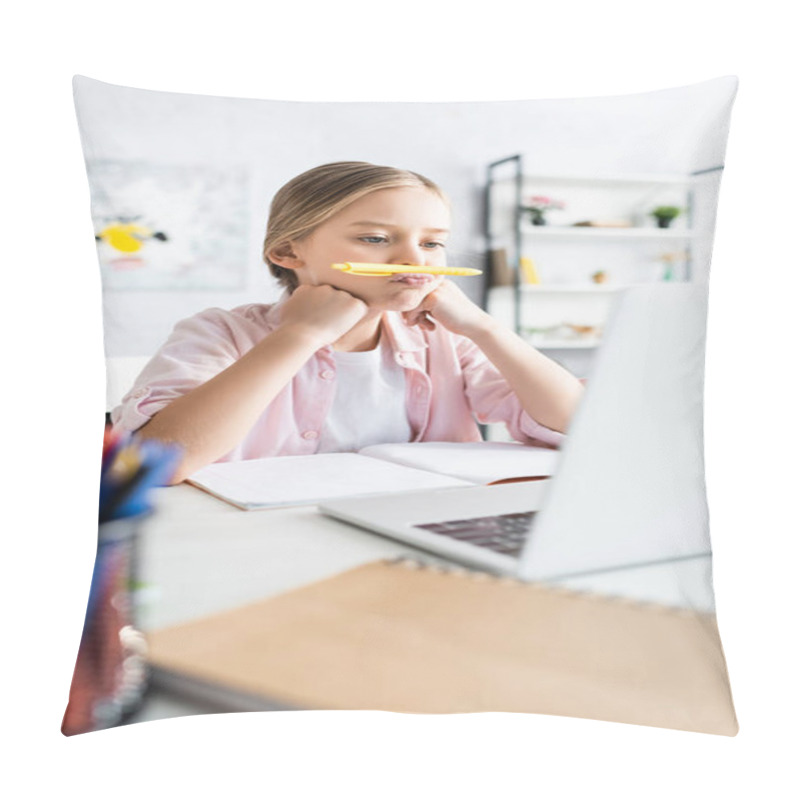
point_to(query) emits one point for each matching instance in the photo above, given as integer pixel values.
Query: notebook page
(302, 480)
(476, 462)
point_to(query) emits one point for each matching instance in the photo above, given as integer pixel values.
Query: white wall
(671, 131)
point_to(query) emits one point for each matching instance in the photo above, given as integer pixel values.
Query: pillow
(591, 222)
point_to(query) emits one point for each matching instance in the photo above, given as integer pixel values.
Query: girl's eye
(433, 245)
(373, 239)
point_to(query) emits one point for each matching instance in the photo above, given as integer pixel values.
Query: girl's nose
(408, 253)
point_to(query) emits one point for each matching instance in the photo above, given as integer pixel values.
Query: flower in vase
(538, 206)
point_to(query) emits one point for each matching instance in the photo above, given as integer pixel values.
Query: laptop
(629, 490)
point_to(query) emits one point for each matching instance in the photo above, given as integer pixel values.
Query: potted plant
(538, 206)
(664, 215)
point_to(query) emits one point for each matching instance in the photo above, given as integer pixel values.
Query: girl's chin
(407, 302)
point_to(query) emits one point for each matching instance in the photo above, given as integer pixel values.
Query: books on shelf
(500, 270)
(306, 480)
(607, 232)
(603, 223)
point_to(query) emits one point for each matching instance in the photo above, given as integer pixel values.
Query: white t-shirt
(369, 402)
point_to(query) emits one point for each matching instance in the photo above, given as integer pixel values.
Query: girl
(343, 361)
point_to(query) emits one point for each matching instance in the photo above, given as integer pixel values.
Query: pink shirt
(449, 384)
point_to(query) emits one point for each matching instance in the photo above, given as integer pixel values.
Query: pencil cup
(111, 669)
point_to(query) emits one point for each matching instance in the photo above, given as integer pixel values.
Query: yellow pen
(381, 270)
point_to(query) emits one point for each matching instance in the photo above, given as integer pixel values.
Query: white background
(53, 395)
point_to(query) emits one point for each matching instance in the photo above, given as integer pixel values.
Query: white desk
(200, 555)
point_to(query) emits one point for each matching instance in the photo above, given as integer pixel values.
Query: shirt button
(310, 435)
(327, 375)
(420, 389)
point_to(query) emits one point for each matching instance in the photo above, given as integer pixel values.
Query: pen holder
(111, 670)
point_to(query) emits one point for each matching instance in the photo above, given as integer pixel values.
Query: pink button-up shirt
(449, 384)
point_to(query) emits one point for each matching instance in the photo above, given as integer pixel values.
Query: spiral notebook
(400, 636)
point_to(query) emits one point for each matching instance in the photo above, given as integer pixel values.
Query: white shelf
(578, 233)
(571, 288)
(562, 344)
(564, 288)
(631, 179)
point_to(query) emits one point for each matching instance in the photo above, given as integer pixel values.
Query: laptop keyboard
(503, 533)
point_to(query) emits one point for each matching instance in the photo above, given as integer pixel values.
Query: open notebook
(300, 480)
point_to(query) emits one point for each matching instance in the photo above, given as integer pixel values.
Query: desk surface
(200, 555)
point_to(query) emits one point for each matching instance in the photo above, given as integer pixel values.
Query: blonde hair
(313, 197)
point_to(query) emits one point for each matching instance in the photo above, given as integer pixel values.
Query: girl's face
(407, 225)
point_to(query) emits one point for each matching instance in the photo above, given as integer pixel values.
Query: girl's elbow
(569, 412)
(185, 469)
(178, 476)
(185, 465)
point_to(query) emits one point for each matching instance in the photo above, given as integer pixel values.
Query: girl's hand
(322, 313)
(452, 308)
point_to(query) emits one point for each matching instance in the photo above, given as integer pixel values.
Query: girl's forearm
(548, 392)
(213, 418)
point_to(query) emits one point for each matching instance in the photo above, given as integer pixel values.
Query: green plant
(666, 212)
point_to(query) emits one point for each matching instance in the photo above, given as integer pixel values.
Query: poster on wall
(161, 226)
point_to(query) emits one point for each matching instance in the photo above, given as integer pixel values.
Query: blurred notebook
(398, 636)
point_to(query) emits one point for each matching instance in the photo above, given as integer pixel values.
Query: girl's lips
(412, 278)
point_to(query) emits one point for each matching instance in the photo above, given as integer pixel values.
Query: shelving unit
(567, 300)
(551, 305)
(568, 288)
(579, 234)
